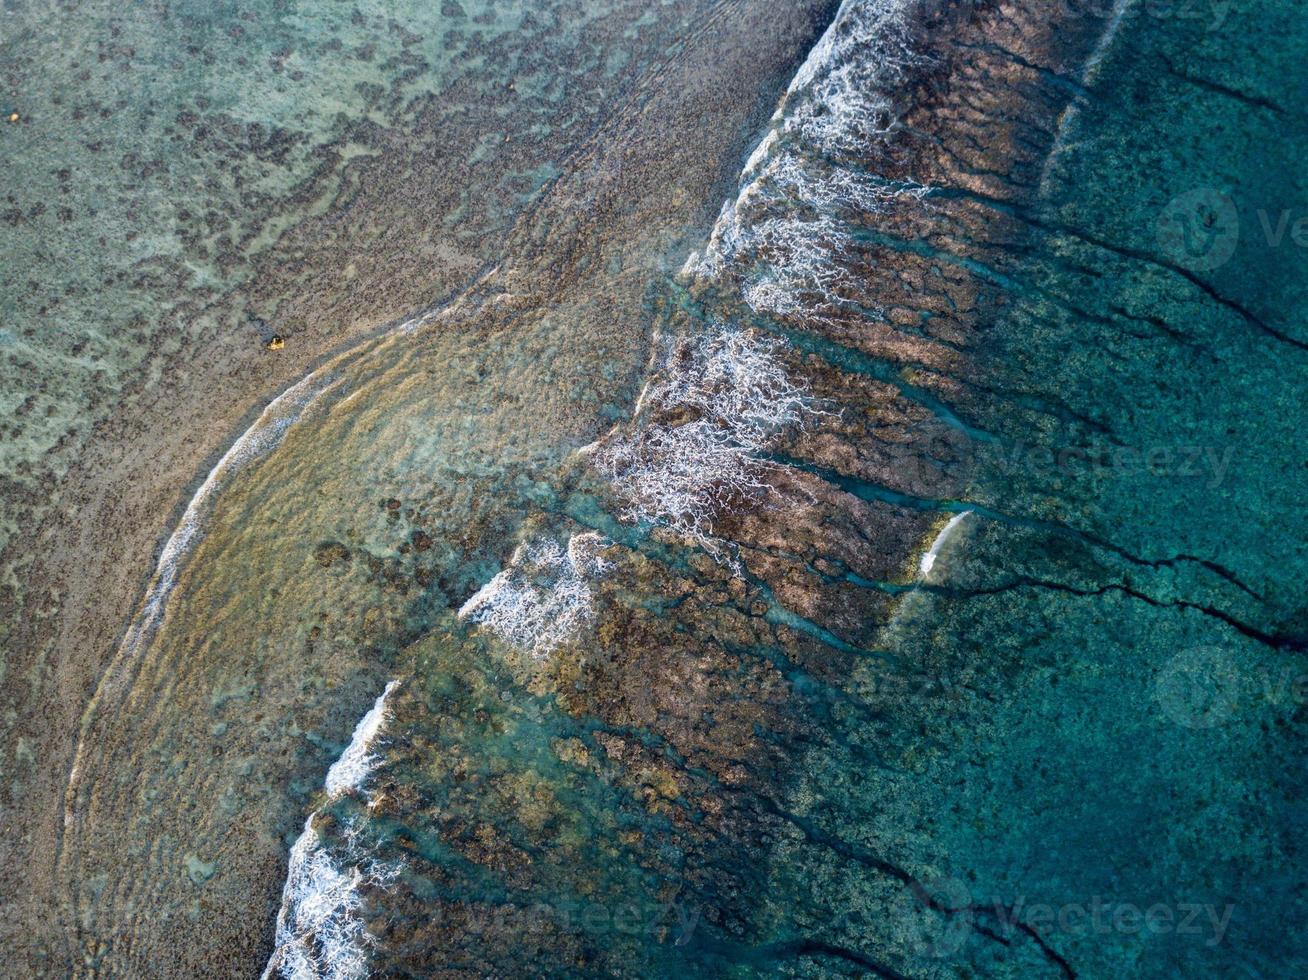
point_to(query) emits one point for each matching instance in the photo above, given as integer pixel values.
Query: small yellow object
(276, 343)
(13, 117)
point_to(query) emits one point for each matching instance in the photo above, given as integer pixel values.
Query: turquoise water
(905, 584)
(1092, 763)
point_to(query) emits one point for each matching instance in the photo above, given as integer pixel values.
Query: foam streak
(320, 929)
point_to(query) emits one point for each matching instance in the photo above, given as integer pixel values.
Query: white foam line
(258, 440)
(544, 597)
(1088, 72)
(348, 773)
(817, 58)
(842, 94)
(261, 438)
(760, 152)
(820, 53)
(828, 49)
(1106, 39)
(929, 559)
(320, 934)
(320, 930)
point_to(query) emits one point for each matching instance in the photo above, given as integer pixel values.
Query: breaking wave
(544, 598)
(356, 763)
(783, 246)
(321, 934)
(928, 560)
(786, 237)
(722, 399)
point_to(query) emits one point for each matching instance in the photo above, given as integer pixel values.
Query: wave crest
(723, 399)
(321, 934)
(544, 598)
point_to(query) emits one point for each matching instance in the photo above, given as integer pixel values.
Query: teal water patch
(1093, 762)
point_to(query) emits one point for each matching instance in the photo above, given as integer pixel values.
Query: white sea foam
(929, 558)
(786, 241)
(870, 39)
(829, 189)
(804, 273)
(320, 929)
(348, 773)
(787, 235)
(844, 98)
(545, 597)
(721, 400)
(321, 934)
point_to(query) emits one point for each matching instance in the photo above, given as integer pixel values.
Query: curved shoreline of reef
(633, 192)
